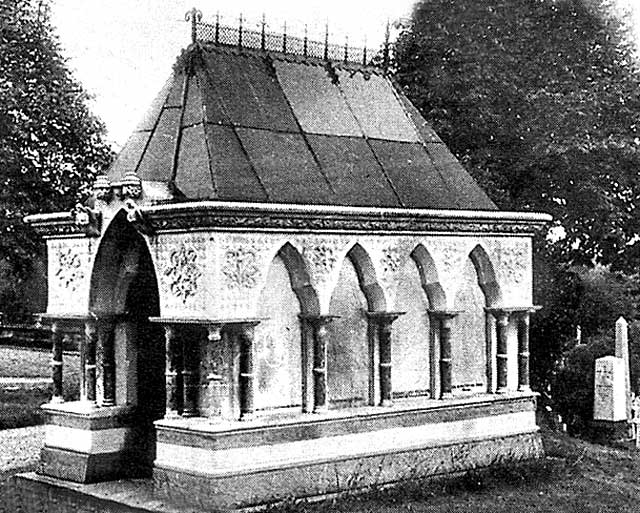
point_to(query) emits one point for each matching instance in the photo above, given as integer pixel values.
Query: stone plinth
(234, 465)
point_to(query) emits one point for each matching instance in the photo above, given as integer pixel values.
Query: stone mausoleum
(289, 287)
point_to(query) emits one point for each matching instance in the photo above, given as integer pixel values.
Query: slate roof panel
(248, 92)
(414, 176)
(233, 176)
(376, 107)
(355, 175)
(317, 103)
(150, 118)
(157, 161)
(129, 157)
(193, 177)
(470, 194)
(286, 167)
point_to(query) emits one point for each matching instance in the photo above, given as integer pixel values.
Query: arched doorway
(123, 295)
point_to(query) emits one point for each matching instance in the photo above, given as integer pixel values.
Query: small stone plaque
(609, 401)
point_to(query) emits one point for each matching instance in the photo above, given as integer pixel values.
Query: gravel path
(20, 448)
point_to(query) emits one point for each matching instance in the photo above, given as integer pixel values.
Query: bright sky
(122, 50)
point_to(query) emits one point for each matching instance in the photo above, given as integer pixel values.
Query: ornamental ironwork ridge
(285, 43)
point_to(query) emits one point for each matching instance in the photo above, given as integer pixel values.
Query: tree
(540, 99)
(51, 146)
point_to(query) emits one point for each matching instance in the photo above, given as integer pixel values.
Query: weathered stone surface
(609, 402)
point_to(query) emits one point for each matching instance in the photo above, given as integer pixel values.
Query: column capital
(318, 318)
(384, 317)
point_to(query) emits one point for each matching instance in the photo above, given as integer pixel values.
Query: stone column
(383, 322)
(523, 352)
(190, 378)
(215, 360)
(56, 363)
(106, 346)
(502, 359)
(172, 372)
(320, 341)
(444, 320)
(90, 338)
(246, 334)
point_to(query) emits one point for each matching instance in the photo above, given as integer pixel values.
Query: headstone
(622, 351)
(609, 401)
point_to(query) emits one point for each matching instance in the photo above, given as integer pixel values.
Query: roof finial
(305, 41)
(385, 51)
(194, 16)
(240, 31)
(364, 52)
(263, 26)
(326, 40)
(346, 48)
(284, 37)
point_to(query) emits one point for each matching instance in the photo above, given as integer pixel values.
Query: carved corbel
(87, 219)
(137, 218)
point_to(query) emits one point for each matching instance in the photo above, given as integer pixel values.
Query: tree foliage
(51, 146)
(540, 99)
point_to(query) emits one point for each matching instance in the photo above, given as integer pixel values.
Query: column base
(386, 403)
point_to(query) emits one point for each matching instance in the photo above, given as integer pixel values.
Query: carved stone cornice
(214, 215)
(177, 217)
(79, 222)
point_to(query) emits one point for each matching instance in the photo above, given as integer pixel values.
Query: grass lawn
(576, 476)
(20, 404)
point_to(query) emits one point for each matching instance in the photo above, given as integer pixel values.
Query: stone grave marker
(622, 352)
(609, 402)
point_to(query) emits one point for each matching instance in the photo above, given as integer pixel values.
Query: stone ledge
(201, 433)
(85, 415)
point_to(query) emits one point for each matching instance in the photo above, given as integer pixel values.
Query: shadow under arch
(300, 279)
(372, 290)
(124, 284)
(486, 275)
(429, 278)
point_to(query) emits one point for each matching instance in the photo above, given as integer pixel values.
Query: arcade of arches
(291, 356)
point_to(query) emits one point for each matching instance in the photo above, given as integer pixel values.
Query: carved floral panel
(322, 258)
(240, 268)
(183, 271)
(70, 268)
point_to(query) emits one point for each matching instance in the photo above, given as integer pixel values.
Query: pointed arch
(486, 275)
(122, 258)
(300, 279)
(367, 278)
(429, 277)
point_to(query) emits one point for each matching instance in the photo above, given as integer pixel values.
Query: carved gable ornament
(184, 272)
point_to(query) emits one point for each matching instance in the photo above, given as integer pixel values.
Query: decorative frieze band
(219, 215)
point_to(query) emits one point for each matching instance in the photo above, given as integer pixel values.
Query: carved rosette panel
(322, 258)
(514, 262)
(184, 271)
(70, 268)
(391, 260)
(241, 269)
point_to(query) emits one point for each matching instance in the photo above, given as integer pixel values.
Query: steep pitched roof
(246, 125)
